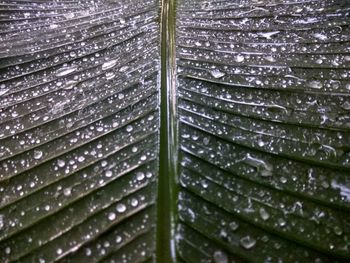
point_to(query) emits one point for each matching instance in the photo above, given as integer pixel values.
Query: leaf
(264, 131)
(79, 130)
(127, 137)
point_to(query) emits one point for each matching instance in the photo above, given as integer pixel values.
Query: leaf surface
(264, 131)
(79, 130)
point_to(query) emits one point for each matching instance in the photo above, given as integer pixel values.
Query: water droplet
(108, 173)
(70, 85)
(109, 64)
(338, 231)
(206, 140)
(123, 69)
(106, 244)
(104, 163)
(61, 163)
(247, 242)
(264, 214)
(38, 154)
(67, 191)
(110, 75)
(140, 176)
(111, 216)
(282, 222)
(314, 84)
(217, 73)
(59, 251)
(204, 184)
(3, 91)
(320, 36)
(268, 35)
(118, 239)
(283, 180)
(134, 202)
(134, 149)
(239, 58)
(121, 208)
(129, 128)
(261, 143)
(7, 250)
(220, 257)
(65, 71)
(1, 221)
(233, 226)
(346, 105)
(264, 168)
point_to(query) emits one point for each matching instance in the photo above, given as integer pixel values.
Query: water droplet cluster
(263, 105)
(79, 121)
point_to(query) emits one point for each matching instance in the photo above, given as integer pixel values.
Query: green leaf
(174, 131)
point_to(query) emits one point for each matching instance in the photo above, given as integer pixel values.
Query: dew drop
(247, 242)
(268, 35)
(264, 214)
(239, 58)
(1, 221)
(65, 71)
(69, 85)
(217, 73)
(233, 225)
(134, 202)
(346, 105)
(118, 239)
(134, 149)
(282, 222)
(220, 257)
(7, 250)
(38, 154)
(61, 163)
(121, 208)
(338, 231)
(261, 143)
(140, 176)
(67, 191)
(111, 216)
(108, 173)
(320, 36)
(314, 84)
(109, 64)
(110, 75)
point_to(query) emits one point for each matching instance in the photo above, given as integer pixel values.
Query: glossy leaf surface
(263, 90)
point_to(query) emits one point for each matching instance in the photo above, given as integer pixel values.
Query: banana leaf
(174, 131)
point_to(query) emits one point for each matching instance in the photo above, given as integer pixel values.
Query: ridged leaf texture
(160, 131)
(79, 130)
(263, 108)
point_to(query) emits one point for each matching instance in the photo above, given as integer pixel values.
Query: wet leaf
(79, 123)
(263, 89)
